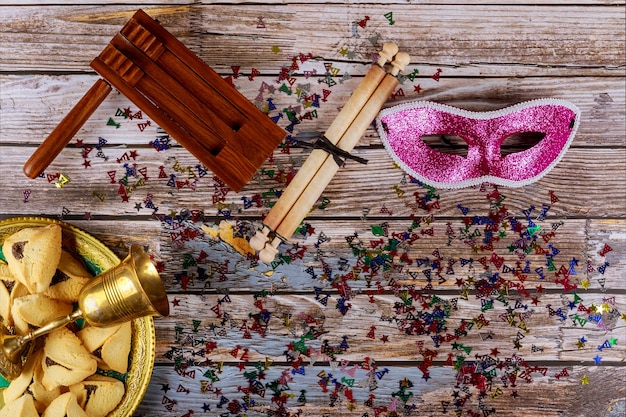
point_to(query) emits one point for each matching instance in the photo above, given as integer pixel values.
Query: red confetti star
(87, 163)
(494, 352)
(417, 89)
(175, 302)
(384, 338)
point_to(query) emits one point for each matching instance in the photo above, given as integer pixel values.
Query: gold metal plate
(99, 258)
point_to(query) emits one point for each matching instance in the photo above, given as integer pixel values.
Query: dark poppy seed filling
(8, 284)
(50, 362)
(59, 276)
(98, 352)
(90, 390)
(18, 250)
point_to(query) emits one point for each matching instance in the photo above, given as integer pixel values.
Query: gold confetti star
(584, 380)
(585, 284)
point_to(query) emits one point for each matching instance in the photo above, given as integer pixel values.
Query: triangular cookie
(37, 310)
(33, 255)
(98, 395)
(116, 349)
(22, 407)
(69, 278)
(65, 360)
(65, 405)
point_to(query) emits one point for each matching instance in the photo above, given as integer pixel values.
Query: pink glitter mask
(401, 129)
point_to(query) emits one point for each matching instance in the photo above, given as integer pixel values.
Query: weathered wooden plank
(379, 329)
(581, 182)
(450, 2)
(216, 265)
(138, 3)
(545, 396)
(491, 54)
(574, 39)
(392, 2)
(414, 263)
(33, 105)
(222, 265)
(444, 35)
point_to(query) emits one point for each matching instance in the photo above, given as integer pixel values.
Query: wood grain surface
(392, 298)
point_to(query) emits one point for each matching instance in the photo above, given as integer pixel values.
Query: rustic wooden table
(393, 298)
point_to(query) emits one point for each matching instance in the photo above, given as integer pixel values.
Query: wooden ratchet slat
(174, 99)
(153, 111)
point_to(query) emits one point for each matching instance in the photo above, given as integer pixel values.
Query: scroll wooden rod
(329, 168)
(318, 157)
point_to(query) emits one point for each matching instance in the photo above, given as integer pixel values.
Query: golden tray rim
(143, 341)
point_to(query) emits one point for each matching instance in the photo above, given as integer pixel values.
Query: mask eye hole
(521, 141)
(449, 144)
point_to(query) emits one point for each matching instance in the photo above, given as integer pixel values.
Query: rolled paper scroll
(324, 175)
(318, 157)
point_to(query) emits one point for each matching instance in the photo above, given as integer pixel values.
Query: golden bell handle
(12, 346)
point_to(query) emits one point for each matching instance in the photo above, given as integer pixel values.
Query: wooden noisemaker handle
(65, 131)
(317, 157)
(329, 168)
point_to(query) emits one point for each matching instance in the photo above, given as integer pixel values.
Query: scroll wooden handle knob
(400, 61)
(268, 253)
(258, 241)
(387, 54)
(65, 131)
